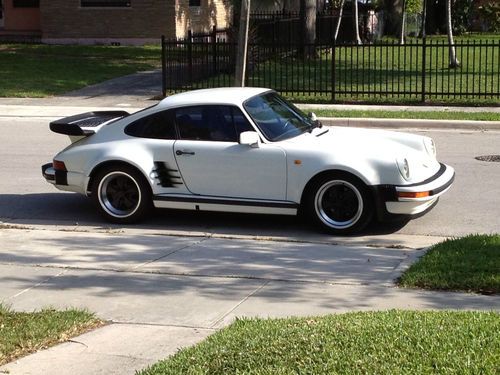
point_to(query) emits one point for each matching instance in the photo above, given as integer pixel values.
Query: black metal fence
(381, 72)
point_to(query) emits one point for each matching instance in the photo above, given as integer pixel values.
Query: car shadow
(74, 209)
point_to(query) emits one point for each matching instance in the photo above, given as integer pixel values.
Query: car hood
(372, 145)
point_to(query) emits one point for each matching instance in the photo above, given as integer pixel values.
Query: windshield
(276, 118)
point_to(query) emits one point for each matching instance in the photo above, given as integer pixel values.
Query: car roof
(222, 95)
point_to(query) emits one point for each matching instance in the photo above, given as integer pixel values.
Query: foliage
(470, 264)
(22, 333)
(413, 6)
(388, 342)
(461, 15)
(491, 12)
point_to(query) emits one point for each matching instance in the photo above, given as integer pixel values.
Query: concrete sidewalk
(163, 292)
(48, 112)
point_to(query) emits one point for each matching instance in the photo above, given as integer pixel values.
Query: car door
(213, 163)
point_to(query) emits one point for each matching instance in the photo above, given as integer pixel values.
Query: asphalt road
(471, 206)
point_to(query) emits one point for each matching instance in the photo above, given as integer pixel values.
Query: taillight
(59, 165)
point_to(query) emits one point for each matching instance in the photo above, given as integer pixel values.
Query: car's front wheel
(121, 194)
(339, 203)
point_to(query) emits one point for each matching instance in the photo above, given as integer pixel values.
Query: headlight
(404, 168)
(430, 147)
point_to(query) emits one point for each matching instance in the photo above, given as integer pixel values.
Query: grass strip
(390, 342)
(22, 333)
(471, 264)
(408, 114)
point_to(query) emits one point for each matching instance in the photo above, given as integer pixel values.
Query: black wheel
(121, 194)
(339, 203)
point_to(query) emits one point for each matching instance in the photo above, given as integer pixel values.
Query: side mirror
(250, 139)
(312, 116)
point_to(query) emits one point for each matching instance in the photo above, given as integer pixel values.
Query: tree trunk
(422, 33)
(356, 22)
(308, 18)
(337, 27)
(241, 53)
(454, 63)
(403, 24)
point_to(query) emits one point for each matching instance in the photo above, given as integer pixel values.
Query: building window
(105, 3)
(26, 3)
(194, 3)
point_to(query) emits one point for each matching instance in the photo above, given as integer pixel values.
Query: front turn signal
(417, 194)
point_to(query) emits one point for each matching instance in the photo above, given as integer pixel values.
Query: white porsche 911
(245, 150)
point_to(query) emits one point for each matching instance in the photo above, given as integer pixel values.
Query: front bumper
(414, 200)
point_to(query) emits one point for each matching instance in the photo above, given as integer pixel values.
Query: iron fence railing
(417, 71)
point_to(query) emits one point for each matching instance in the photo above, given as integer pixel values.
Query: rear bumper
(413, 200)
(55, 177)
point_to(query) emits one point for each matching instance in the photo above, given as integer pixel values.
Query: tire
(339, 203)
(121, 194)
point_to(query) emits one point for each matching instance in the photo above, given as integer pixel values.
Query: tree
(454, 63)
(356, 22)
(337, 27)
(403, 23)
(308, 11)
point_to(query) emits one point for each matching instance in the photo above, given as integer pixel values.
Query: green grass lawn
(429, 115)
(470, 264)
(391, 342)
(22, 333)
(45, 70)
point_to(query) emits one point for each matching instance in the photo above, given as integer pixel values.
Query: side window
(240, 121)
(220, 123)
(157, 126)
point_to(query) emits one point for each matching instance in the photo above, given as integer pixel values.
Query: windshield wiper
(324, 132)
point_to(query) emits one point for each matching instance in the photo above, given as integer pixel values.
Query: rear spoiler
(84, 124)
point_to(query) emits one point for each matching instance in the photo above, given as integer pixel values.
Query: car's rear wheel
(121, 194)
(339, 203)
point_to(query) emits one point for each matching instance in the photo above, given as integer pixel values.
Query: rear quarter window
(159, 125)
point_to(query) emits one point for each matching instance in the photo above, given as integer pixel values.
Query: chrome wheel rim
(119, 194)
(339, 204)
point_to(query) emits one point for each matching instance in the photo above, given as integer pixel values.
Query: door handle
(180, 152)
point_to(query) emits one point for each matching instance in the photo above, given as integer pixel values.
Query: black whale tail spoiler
(85, 124)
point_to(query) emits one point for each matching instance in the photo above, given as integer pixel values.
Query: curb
(411, 123)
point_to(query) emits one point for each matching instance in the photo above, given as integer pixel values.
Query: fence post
(424, 64)
(214, 49)
(190, 56)
(333, 69)
(163, 68)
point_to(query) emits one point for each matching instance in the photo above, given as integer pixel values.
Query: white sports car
(245, 150)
